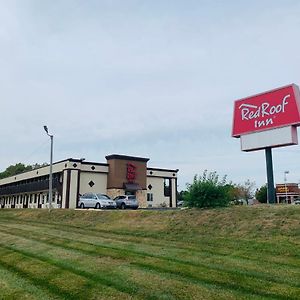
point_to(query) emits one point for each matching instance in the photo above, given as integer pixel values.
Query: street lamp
(285, 188)
(50, 173)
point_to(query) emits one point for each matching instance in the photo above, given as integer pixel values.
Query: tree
(208, 191)
(18, 169)
(244, 191)
(261, 194)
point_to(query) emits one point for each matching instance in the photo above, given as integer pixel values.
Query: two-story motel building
(153, 187)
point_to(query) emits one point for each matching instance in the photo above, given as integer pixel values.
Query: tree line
(19, 168)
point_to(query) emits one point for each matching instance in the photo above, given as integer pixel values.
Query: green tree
(18, 169)
(262, 194)
(208, 191)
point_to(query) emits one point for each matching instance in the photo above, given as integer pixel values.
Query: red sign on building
(131, 172)
(272, 109)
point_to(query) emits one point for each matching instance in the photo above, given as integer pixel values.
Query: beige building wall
(174, 191)
(64, 189)
(73, 189)
(99, 180)
(157, 191)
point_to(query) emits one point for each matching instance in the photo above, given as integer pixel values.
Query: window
(167, 187)
(149, 197)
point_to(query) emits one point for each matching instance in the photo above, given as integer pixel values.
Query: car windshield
(102, 196)
(132, 198)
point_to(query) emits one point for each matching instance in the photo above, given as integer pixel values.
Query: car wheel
(81, 205)
(123, 206)
(98, 206)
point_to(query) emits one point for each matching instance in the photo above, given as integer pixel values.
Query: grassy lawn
(232, 253)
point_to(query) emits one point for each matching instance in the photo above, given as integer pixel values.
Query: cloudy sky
(146, 78)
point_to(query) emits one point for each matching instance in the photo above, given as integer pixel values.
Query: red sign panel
(131, 172)
(272, 109)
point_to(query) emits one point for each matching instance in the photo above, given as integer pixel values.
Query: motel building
(287, 193)
(153, 187)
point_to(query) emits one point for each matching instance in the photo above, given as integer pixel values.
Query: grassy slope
(232, 253)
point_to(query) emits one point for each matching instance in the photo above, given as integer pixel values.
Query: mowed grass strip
(175, 270)
(145, 287)
(234, 265)
(178, 274)
(196, 254)
(241, 249)
(64, 279)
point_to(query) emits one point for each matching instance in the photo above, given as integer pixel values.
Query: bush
(208, 191)
(262, 194)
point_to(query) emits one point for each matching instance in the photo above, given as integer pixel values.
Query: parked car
(96, 201)
(296, 202)
(127, 201)
(180, 203)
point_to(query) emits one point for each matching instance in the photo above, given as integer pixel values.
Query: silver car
(127, 201)
(96, 201)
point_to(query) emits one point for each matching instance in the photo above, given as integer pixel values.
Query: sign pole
(270, 177)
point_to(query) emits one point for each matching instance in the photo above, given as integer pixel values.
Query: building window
(149, 197)
(167, 192)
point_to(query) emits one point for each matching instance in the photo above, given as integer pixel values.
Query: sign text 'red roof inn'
(272, 109)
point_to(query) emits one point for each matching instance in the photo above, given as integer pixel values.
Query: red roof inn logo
(131, 172)
(272, 109)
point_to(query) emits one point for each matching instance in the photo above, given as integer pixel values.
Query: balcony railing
(33, 186)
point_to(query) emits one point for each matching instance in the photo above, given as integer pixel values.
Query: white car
(96, 201)
(126, 201)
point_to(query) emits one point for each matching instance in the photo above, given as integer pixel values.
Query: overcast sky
(148, 78)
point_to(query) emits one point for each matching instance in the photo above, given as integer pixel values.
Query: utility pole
(50, 171)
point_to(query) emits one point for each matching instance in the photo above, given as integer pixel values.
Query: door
(25, 202)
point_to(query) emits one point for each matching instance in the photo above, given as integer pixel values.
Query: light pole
(50, 172)
(285, 188)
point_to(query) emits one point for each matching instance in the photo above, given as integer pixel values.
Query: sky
(154, 79)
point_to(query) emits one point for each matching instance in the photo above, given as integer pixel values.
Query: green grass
(231, 253)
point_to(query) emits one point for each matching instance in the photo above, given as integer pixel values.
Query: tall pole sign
(268, 120)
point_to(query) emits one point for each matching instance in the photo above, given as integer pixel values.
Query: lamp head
(46, 129)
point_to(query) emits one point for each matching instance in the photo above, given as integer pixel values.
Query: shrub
(208, 191)
(262, 194)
